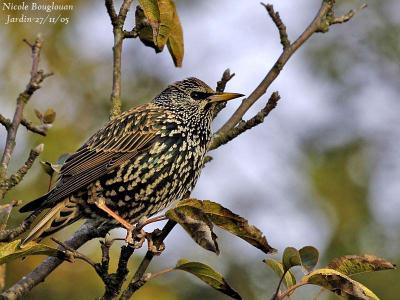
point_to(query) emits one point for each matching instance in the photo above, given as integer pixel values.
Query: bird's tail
(61, 215)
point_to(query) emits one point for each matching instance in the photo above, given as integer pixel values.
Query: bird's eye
(199, 95)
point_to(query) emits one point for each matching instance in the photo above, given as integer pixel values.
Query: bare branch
(317, 25)
(117, 22)
(279, 24)
(37, 77)
(71, 254)
(19, 175)
(33, 128)
(226, 76)
(8, 235)
(111, 12)
(348, 16)
(131, 34)
(123, 11)
(243, 126)
(88, 231)
(5, 122)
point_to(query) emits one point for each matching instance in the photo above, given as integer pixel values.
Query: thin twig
(317, 25)
(21, 172)
(226, 76)
(5, 121)
(290, 290)
(243, 126)
(276, 18)
(86, 232)
(348, 16)
(37, 77)
(159, 273)
(42, 130)
(117, 22)
(111, 12)
(276, 295)
(7, 235)
(131, 34)
(71, 254)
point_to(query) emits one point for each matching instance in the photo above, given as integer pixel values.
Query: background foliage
(322, 170)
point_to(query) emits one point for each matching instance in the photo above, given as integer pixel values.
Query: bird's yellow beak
(223, 97)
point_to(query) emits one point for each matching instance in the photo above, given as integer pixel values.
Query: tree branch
(5, 122)
(219, 140)
(8, 235)
(37, 77)
(87, 232)
(320, 23)
(19, 175)
(117, 22)
(276, 18)
(33, 128)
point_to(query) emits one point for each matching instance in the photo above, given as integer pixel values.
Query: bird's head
(193, 94)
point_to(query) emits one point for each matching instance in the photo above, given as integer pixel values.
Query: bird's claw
(135, 237)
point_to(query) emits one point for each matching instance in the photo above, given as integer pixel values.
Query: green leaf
(175, 42)
(340, 284)
(49, 116)
(196, 224)
(289, 279)
(227, 220)
(11, 251)
(207, 275)
(354, 264)
(309, 257)
(290, 258)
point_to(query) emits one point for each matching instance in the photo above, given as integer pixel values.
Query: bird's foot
(135, 236)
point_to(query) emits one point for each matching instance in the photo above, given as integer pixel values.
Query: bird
(136, 165)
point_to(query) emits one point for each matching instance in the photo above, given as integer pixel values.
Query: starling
(137, 164)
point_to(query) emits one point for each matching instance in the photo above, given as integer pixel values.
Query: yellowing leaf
(167, 12)
(227, 220)
(354, 264)
(277, 267)
(157, 23)
(340, 284)
(196, 224)
(11, 251)
(207, 275)
(151, 11)
(175, 41)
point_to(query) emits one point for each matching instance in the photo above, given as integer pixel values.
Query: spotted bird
(138, 163)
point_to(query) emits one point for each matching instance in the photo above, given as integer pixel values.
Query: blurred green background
(324, 169)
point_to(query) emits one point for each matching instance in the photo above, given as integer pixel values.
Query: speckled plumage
(139, 163)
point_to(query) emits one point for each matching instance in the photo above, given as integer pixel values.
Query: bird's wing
(119, 141)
